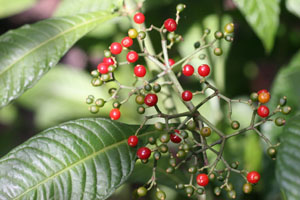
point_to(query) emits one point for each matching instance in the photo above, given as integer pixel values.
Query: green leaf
(71, 7)
(288, 160)
(82, 159)
(30, 51)
(286, 83)
(293, 6)
(263, 17)
(9, 8)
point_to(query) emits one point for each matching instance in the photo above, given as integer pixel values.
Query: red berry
(263, 111)
(132, 141)
(132, 56)
(139, 71)
(202, 179)
(116, 48)
(108, 61)
(175, 138)
(170, 24)
(171, 62)
(187, 95)
(150, 99)
(115, 114)
(139, 18)
(103, 68)
(203, 70)
(253, 177)
(143, 153)
(188, 70)
(262, 91)
(127, 42)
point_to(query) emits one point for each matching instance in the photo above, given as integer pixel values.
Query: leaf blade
(86, 158)
(263, 17)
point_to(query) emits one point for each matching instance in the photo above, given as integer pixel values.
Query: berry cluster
(188, 131)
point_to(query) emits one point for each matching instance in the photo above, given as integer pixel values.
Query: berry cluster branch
(192, 129)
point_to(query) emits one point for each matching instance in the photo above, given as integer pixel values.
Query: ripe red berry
(263, 111)
(132, 56)
(143, 153)
(103, 68)
(127, 42)
(115, 114)
(139, 18)
(170, 24)
(171, 62)
(203, 70)
(139, 71)
(253, 177)
(108, 61)
(116, 48)
(151, 99)
(188, 70)
(187, 95)
(202, 179)
(132, 141)
(174, 138)
(262, 91)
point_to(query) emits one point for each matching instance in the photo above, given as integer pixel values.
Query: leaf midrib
(48, 41)
(77, 163)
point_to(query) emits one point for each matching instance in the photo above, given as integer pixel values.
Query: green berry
(207, 31)
(89, 100)
(247, 188)
(191, 125)
(184, 134)
(282, 101)
(105, 77)
(163, 148)
(254, 96)
(217, 191)
(189, 190)
(95, 73)
(197, 45)
(170, 170)
(186, 147)
(192, 170)
(94, 109)
(116, 104)
(180, 186)
(212, 177)
(111, 68)
(145, 161)
(235, 125)
(100, 102)
(171, 36)
(160, 195)
(221, 178)
(172, 162)
(141, 109)
(151, 140)
(229, 38)
(200, 191)
(218, 51)
(141, 35)
(96, 82)
(157, 155)
(112, 91)
(219, 35)
(271, 151)
(205, 131)
(229, 187)
(148, 87)
(139, 99)
(286, 110)
(141, 191)
(107, 53)
(202, 56)
(181, 154)
(279, 121)
(231, 194)
(180, 7)
(159, 126)
(156, 88)
(234, 165)
(165, 138)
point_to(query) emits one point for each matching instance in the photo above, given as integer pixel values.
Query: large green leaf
(288, 160)
(71, 7)
(263, 17)
(293, 6)
(30, 51)
(286, 83)
(9, 8)
(82, 159)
